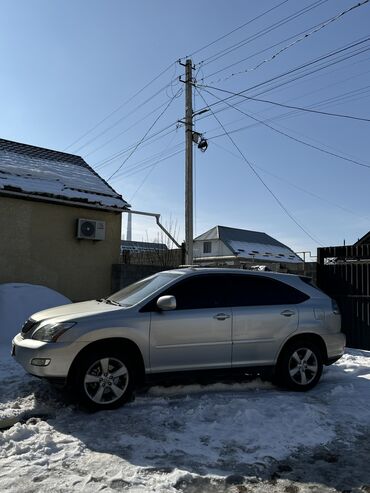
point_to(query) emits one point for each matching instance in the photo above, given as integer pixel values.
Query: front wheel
(301, 366)
(104, 380)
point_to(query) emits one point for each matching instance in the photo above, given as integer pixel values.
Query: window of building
(207, 247)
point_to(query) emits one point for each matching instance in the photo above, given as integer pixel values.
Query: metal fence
(344, 274)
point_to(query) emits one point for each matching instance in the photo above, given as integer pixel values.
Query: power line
(120, 106)
(312, 31)
(291, 137)
(299, 108)
(306, 65)
(140, 120)
(142, 139)
(287, 114)
(150, 140)
(262, 32)
(341, 98)
(152, 168)
(139, 165)
(180, 151)
(292, 80)
(282, 206)
(293, 185)
(120, 153)
(124, 117)
(254, 54)
(236, 29)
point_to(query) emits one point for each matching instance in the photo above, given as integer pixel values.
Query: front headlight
(51, 332)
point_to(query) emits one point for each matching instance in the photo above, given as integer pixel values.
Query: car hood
(75, 310)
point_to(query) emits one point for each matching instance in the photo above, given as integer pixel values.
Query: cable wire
(309, 110)
(140, 120)
(152, 168)
(282, 206)
(262, 32)
(291, 137)
(148, 161)
(151, 164)
(124, 117)
(142, 139)
(120, 106)
(354, 44)
(102, 164)
(293, 185)
(236, 29)
(311, 32)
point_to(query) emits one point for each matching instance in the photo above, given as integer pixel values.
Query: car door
(265, 315)
(197, 334)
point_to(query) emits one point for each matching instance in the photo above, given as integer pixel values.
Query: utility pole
(189, 161)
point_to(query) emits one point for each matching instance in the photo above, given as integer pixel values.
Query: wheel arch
(118, 343)
(306, 336)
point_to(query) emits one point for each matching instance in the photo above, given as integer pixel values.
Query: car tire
(300, 366)
(104, 379)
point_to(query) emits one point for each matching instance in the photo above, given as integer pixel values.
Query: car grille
(30, 324)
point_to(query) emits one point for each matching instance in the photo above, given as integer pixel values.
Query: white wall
(218, 249)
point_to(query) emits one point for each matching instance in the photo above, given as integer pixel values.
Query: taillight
(335, 307)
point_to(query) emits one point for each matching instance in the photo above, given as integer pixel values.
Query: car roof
(224, 270)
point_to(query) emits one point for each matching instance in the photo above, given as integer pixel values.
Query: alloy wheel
(106, 380)
(303, 366)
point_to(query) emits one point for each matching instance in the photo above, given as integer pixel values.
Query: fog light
(40, 361)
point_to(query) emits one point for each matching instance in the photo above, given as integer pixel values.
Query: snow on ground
(18, 301)
(184, 438)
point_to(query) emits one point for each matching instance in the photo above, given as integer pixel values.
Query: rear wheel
(104, 380)
(300, 367)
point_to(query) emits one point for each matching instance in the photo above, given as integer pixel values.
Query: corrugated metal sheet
(344, 274)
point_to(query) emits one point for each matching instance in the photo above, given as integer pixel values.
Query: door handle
(287, 313)
(221, 316)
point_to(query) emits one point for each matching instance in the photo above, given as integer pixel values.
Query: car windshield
(140, 290)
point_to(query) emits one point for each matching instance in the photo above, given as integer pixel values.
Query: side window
(200, 291)
(258, 291)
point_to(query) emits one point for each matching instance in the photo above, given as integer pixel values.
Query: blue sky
(66, 65)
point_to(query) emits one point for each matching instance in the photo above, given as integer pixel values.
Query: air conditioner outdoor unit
(88, 229)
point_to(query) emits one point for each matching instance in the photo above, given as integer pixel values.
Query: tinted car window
(201, 291)
(229, 290)
(245, 290)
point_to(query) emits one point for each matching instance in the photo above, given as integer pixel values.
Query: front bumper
(60, 354)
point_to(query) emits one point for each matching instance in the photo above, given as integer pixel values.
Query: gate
(344, 274)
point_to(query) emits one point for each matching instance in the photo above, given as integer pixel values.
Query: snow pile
(168, 435)
(18, 302)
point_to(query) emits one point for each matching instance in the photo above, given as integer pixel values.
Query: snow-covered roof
(44, 173)
(251, 244)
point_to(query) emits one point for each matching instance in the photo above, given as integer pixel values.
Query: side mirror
(166, 303)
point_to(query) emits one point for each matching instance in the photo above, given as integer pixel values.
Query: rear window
(260, 290)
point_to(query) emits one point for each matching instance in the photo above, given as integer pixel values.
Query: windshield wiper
(112, 302)
(109, 301)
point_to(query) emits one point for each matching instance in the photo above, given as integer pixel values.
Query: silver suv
(181, 321)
